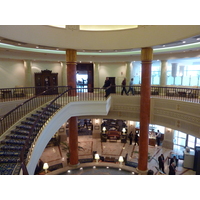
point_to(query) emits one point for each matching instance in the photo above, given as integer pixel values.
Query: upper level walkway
(176, 108)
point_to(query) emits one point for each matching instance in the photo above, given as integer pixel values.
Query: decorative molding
(126, 108)
(179, 116)
(72, 27)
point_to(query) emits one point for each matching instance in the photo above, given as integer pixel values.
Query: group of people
(172, 165)
(130, 87)
(107, 87)
(135, 138)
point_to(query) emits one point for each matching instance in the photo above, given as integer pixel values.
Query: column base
(74, 165)
(140, 172)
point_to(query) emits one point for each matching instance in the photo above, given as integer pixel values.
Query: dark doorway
(86, 68)
(113, 88)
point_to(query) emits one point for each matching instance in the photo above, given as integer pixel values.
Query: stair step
(14, 136)
(13, 141)
(31, 123)
(9, 153)
(19, 131)
(26, 127)
(45, 113)
(7, 168)
(9, 159)
(11, 148)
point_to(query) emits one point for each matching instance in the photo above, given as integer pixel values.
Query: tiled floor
(55, 155)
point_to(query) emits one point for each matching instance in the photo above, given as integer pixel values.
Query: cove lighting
(106, 27)
(59, 26)
(138, 52)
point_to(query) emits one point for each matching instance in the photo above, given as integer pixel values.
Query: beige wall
(13, 72)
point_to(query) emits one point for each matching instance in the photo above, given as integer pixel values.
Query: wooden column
(71, 70)
(146, 58)
(73, 130)
(73, 141)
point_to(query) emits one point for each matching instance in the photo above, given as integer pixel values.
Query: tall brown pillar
(73, 130)
(73, 141)
(146, 58)
(71, 70)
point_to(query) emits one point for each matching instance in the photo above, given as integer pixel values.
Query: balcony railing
(66, 95)
(26, 107)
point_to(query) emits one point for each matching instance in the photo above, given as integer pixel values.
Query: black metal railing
(26, 107)
(66, 95)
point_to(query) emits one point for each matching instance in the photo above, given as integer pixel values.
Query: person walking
(131, 87)
(106, 86)
(161, 161)
(130, 137)
(136, 139)
(124, 87)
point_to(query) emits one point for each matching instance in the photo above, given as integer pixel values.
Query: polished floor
(55, 155)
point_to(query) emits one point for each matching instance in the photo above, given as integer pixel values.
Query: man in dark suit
(172, 170)
(175, 161)
(107, 86)
(161, 161)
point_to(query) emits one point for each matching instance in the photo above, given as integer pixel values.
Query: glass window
(198, 142)
(179, 138)
(191, 141)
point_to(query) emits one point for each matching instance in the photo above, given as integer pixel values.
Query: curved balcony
(176, 108)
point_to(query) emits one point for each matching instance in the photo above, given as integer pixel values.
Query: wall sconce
(169, 130)
(121, 160)
(96, 157)
(104, 129)
(131, 123)
(45, 167)
(96, 121)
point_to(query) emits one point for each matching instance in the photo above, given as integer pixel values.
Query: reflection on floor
(54, 156)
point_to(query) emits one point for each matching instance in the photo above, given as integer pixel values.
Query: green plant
(65, 147)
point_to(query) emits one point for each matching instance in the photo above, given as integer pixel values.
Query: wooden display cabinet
(46, 80)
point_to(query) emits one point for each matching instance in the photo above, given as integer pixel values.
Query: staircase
(11, 146)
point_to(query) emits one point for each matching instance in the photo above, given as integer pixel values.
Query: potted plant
(65, 147)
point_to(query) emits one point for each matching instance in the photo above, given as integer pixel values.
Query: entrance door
(113, 86)
(88, 67)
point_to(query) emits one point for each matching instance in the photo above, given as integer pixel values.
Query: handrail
(27, 142)
(86, 94)
(21, 110)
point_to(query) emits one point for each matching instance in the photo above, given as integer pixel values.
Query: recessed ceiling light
(184, 41)
(198, 38)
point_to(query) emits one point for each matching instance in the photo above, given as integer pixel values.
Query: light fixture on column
(121, 160)
(96, 157)
(45, 167)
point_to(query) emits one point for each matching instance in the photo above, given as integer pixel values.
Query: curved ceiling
(115, 44)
